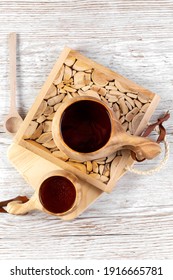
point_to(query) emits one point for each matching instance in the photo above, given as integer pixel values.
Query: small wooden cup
(118, 140)
(43, 192)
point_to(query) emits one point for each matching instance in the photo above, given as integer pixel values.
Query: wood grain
(134, 39)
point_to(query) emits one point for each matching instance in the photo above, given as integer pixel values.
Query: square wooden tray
(76, 75)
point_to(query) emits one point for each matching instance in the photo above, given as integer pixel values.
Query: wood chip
(59, 76)
(116, 93)
(128, 105)
(136, 121)
(56, 107)
(60, 155)
(111, 157)
(89, 166)
(145, 107)
(96, 88)
(70, 60)
(99, 78)
(40, 110)
(130, 101)
(104, 179)
(142, 98)
(101, 168)
(48, 111)
(51, 92)
(37, 132)
(131, 114)
(45, 137)
(92, 93)
(138, 104)
(47, 126)
(121, 86)
(50, 117)
(67, 73)
(102, 91)
(81, 66)
(95, 175)
(116, 110)
(41, 119)
(123, 106)
(125, 126)
(50, 144)
(114, 165)
(79, 166)
(79, 80)
(31, 129)
(112, 98)
(95, 167)
(56, 99)
(132, 95)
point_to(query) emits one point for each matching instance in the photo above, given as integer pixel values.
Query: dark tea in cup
(57, 194)
(85, 126)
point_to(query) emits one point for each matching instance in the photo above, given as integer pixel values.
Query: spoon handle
(12, 76)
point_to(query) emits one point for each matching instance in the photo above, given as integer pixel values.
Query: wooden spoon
(13, 119)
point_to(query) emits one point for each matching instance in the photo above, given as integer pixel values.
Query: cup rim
(72, 178)
(56, 128)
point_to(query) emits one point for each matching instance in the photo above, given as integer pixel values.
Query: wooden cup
(36, 201)
(118, 140)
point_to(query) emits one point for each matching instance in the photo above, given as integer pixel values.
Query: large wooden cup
(118, 140)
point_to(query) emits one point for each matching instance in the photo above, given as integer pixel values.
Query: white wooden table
(134, 38)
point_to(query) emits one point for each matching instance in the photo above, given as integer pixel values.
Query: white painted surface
(135, 38)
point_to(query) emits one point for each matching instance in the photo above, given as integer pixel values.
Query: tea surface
(85, 126)
(57, 194)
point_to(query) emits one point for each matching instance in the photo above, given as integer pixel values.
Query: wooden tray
(73, 75)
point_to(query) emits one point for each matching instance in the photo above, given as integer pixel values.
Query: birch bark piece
(81, 66)
(99, 78)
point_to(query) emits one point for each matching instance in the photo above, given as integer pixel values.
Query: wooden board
(32, 167)
(105, 84)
